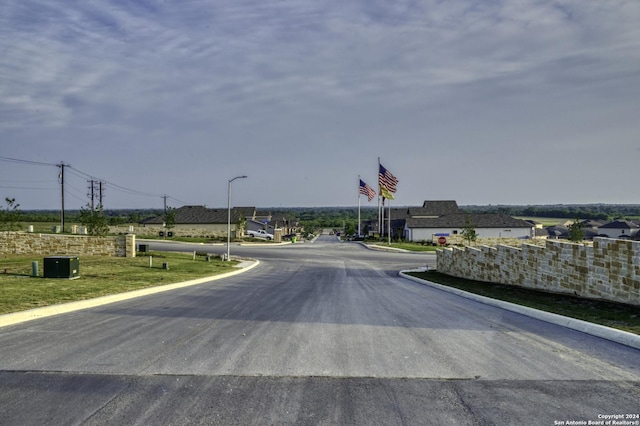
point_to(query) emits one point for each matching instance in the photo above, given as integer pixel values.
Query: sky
(483, 102)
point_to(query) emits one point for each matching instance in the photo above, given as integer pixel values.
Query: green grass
(615, 315)
(546, 221)
(99, 276)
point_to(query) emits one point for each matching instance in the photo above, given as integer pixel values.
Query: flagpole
(359, 206)
(380, 224)
(389, 225)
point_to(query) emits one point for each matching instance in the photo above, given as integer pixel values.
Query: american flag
(367, 190)
(386, 179)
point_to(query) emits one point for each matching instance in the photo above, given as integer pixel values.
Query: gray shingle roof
(459, 220)
(188, 215)
(619, 224)
(435, 208)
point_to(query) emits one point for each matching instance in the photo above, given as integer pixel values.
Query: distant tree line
(329, 217)
(603, 212)
(113, 217)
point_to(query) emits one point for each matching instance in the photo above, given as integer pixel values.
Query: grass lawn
(614, 315)
(546, 221)
(99, 276)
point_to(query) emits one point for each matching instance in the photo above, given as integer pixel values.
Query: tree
(170, 218)
(133, 217)
(576, 231)
(350, 228)
(469, 231)
(10, 215)
(94, 220)
(241, 225)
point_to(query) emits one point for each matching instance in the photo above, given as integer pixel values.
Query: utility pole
(164, 217)
(91, 194)
(61, 180)
(100, 195)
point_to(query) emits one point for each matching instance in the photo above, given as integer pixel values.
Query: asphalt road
(323, 333)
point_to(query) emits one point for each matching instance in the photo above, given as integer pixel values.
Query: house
(486, 225)
(400, 215)
(444, 218)
(619, 229)
(197, 221)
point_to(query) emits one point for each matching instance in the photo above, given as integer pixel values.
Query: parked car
(260, 234)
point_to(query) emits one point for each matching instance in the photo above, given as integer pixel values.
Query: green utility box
(61, 267)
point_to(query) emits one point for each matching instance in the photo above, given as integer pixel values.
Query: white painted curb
(608, 333)
(46, 311)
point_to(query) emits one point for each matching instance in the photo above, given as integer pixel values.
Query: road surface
(317, 334)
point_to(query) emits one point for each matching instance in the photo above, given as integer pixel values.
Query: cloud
(340, 82)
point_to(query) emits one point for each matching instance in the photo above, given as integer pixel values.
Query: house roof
(459, 220)
(619, 224)
(558, 231)
(187, 215)
(590, 223)
(397, 213)
(246, 211)
(434, 208)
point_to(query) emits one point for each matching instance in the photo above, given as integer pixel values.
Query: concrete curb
(618, 336)
(248, 243)
(46, 311)
(376, 247)
(383, 248)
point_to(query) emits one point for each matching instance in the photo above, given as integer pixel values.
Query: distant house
(400, 215)
(486, 225)
(270, 222)
(288, 224)
(557, 232)
(619, 229)
(197, 221)
(444, 218)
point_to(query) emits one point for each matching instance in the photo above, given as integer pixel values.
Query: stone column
(130, 245)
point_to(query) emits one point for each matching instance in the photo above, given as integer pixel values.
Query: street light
(229, 213)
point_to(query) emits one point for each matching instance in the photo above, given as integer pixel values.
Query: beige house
(197, 221)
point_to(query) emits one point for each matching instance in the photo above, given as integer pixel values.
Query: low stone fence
(206, 231)
(67, 245)
(608, 270)
(458, 240)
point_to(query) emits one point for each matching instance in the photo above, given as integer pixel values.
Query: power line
(83, 175)
(119, 187)
(24, 187)
(33, 163)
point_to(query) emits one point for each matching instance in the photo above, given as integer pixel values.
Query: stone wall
(67, 245)
(204, 230)
(609, 269)
(458, 240)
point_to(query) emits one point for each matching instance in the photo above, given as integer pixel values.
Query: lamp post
(229, 213)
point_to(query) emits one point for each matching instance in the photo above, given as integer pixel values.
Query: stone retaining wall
(608, 270)
(204, 230)
(67, 245)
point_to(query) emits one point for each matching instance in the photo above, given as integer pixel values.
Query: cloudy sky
(483, 102)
